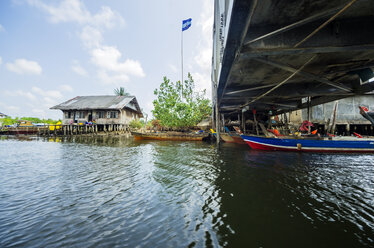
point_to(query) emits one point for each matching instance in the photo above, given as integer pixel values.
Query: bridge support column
(217, 124)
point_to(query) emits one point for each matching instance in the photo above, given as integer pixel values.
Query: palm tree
(121, 92)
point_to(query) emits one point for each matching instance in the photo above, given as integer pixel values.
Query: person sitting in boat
(304, 128)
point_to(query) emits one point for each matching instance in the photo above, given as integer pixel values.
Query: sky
(52, 51)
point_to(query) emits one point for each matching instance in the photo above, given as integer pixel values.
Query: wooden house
(102, 110)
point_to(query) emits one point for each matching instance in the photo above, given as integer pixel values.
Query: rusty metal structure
(282, 55)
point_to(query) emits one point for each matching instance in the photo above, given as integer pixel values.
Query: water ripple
(115, 192)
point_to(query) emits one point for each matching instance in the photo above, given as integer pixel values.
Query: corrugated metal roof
(99, 102)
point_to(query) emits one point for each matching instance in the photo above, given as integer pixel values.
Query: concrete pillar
(217, 124)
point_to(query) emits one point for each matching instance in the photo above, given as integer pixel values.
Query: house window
(112, 114)
(68, 115)
(100, 114)
(79, 115)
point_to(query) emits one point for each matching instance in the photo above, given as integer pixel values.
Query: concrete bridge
(283, 55)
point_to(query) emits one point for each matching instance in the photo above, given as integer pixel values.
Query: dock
(68, 130)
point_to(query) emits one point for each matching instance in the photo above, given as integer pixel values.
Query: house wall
(125, 116)
(295, 117)
(347, 113)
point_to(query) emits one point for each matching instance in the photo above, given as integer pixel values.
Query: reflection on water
(117, 192)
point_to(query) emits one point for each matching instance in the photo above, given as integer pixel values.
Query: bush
(178, 105)
(137, 124)
(10, 121)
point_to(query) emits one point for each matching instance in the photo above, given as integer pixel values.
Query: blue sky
(51, 51)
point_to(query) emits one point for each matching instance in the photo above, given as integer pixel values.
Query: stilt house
(103, 110)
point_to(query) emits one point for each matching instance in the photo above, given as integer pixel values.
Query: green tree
(179, 105)
(136, 124)
(121, 92)
(10, 121)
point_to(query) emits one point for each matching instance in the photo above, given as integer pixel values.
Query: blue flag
(186, 24)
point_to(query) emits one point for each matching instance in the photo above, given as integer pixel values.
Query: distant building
(1, 117)
(348, 117)
(100, 109)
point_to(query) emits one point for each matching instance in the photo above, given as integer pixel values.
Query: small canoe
(168, 136)
(310, 144)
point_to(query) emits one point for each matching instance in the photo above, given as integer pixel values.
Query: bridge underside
(279, 52)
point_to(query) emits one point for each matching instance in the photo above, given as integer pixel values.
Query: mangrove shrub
(179, 105)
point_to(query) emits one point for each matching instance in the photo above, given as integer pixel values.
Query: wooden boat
(369, 115)
(169, 136)
(231, 137)
(310, 144)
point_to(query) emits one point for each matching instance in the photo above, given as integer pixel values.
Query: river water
(117, 192)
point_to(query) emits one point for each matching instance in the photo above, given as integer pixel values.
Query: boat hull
(167, 136)
(232, 139)
(310, 145)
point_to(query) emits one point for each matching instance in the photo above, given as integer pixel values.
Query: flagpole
(182, 57)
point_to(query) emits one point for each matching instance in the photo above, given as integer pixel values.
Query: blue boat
(310, 144)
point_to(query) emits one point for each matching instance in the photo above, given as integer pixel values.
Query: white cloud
(21, 93)
(1, 60)
(48, 94)
(2, 28)
(77, 68)
(39, 112)
(23, 66)
(202, 81)
(107, 18)
(107, 59)
(91, 37)
(111, 69)
(75, 11)
(66, 88)
(9, 109)
(38, 104)
(67, 11)
(203, 58)
(12, 108)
